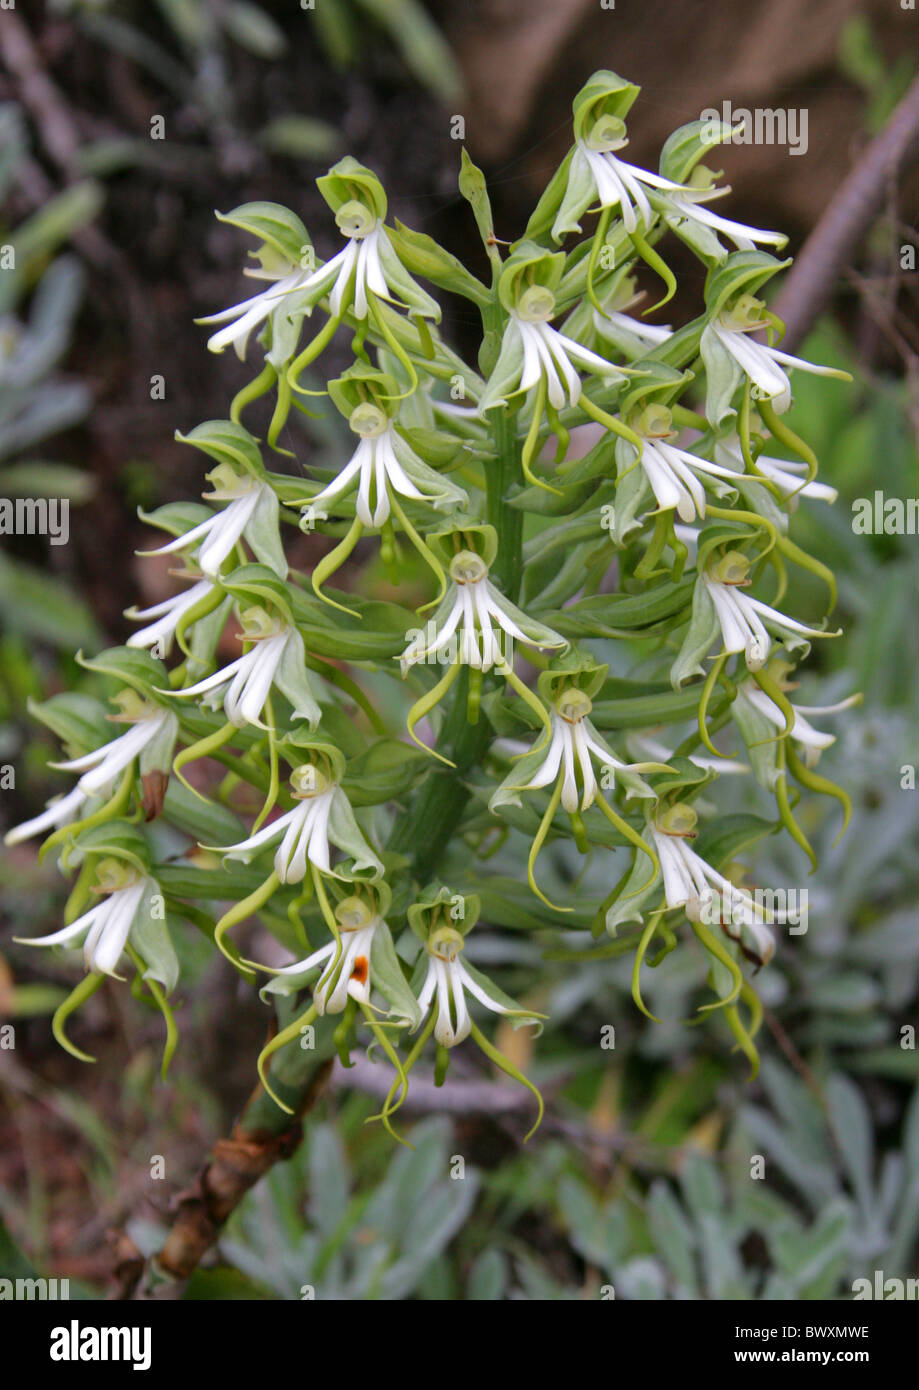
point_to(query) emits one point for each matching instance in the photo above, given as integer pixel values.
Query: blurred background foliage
(644, 1177)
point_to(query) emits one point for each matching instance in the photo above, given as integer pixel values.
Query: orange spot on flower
(360, 970)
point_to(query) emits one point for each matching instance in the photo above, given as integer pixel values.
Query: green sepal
(78, 720)
(742, 272)
(117, 839)
(131, 666)
(176, 517)
(227, 443)
(436, 901)
(348, 181)
(150, 938)
(687, 145)
(703, 630)
(273, 224)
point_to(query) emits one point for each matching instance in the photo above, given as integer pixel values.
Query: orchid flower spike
(322, 817)
(569, 758)
(812, 741)
(536, 355)
(151, 737)
(167, 615)
(366, 268)
(785, 473)
(618, 185)
(445, 985)
(240, 319)
(682, 208)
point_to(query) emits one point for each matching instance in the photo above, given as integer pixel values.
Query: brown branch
(851, 212)
(236, 1165)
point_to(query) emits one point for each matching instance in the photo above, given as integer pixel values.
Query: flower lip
(678, 821)
(607, 134)
(445, 944)
(536, 305)
(368, 420)
(355, 220)
(468, 568)
(573, 705)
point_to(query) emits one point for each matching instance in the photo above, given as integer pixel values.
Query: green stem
(427, 828)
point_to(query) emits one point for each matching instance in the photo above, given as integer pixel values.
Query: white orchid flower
(277, 658)
(383, 462)
(322, 815)
(252, 514)
(535, 353)
(572, 747)
(349, 976)
(167, 616)
(765, 367)
(690, 883)
(744, 620)
(618, 184)
(812, 740)
(785, 473)
(671, 471)
(367, 267)
(445, 986)
(106, 927)
(152, 727)
(467, 618)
